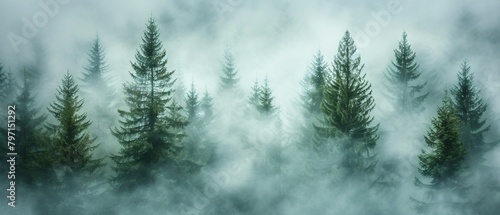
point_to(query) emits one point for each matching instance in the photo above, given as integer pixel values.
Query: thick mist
(276, 39)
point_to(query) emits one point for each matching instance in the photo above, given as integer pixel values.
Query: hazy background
(277, 38)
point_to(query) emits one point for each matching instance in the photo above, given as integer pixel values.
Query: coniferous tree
(198, 144)
(346, 106)
(96, 85)
(152, 128)
(470, 109)
(313, 85)
(254, 98)
(228, 79)
(72, 148)
(266, 105)
(443, 163)
(33, 151)
(401, 74)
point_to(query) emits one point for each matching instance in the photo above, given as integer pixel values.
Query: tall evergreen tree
(228, 79)
(266, 104)
(32, 150)
(346, 106)
(254, 98)
(151, 130)
(470, 109)
(313, 85)
(96, 85)
(401, 74)
(77, 173)
(443, 163)
(199, 145)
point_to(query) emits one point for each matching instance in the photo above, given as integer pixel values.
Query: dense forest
(159, 144)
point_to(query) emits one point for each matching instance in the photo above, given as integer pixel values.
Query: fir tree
(33, 151)
(228, 79)
(313, 85)
(401, 74)
(254, 98)
(71, 149)
(151, 130)
(443, 163)
(346, 106)
(266, 104)
(470, 109)
(199, 111)
(96, 85)
(192, 104)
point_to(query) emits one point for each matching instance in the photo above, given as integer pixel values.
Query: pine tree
(346, 105)
(198, 144)
(96, 85)
(206, 107)
(470, 109)
(401, 74)
(192, 104)
(443, 163)
(228, 79)
(152, 128)
(313, 85)
(254, 98)
(32, 150)
(71, 149)
(266, 104)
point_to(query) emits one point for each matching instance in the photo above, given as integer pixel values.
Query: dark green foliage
(443, 163)
(31, 148)
(470, 109)
(75, 175)
(228, 79)
(152, 128)
(346, 106)
(72, 144)
(401, 74)
(313, 85)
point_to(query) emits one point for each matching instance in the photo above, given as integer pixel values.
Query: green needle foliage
(346, 106)
(152, 129)
(443, 163)
(470, 109)
(401, 74)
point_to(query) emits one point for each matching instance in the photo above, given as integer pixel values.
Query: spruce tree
(313, 85)
(443, 163)
(470, 109)
(254, 98)
(401, 75)
(228, 79)
(346, 106)
(33, 151)
(152, 128)
(95, 83)
(71, 149)
(266, 105)
(197, 143)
